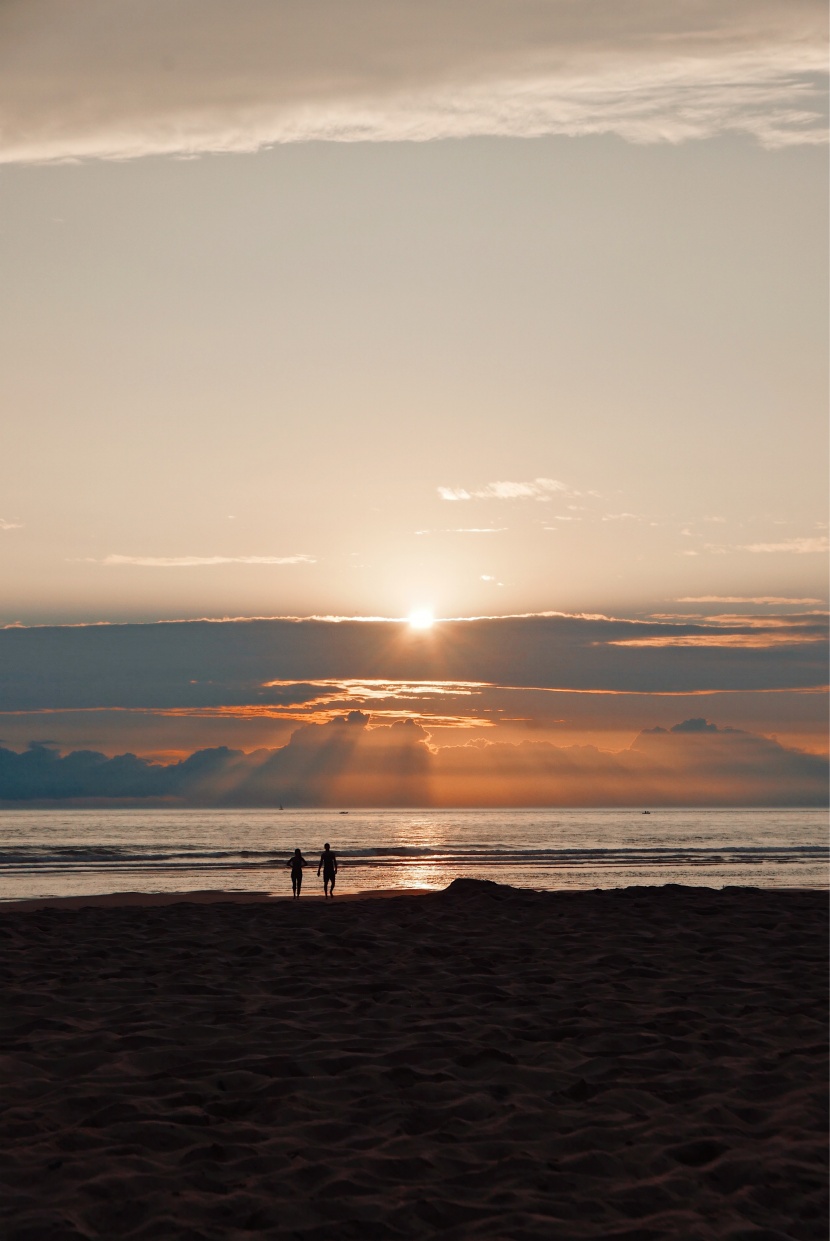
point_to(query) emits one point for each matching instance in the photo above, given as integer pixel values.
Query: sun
(421, 618)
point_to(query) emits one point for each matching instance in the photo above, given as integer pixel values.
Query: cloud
(225, 663)
(190, 562)
(741, 638)
(798, 547)
(41, 773)
(10, 525)
(695, 726)
(539, 488)
(125, 78)
(692, 764)
(779, 600)
(438, 703)
(345, 762)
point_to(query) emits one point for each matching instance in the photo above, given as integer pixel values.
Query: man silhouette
(328, 865)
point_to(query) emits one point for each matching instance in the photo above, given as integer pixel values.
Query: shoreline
(222, 896)
(201, 896)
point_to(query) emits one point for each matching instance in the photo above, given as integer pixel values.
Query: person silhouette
(297, 862)
(328, 865)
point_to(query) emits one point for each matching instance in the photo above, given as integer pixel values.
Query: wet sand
(483, 1062)
(204, 896)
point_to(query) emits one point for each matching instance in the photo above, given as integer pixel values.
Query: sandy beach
(483, 1062)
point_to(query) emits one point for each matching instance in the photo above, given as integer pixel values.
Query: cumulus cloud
(10, 525)
(539, 488)
(345, 762)
(191, 562)
(42, 773)
(693, 726)
(123, 78)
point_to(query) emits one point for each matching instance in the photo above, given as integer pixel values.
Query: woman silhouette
(297, 862)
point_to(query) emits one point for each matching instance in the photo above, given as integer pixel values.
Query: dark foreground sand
(636, 1064)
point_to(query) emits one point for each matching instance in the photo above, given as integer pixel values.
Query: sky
(488, 310)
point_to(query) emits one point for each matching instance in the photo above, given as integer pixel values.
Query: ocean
(46, 853)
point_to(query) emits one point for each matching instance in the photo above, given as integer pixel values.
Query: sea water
(47, 853)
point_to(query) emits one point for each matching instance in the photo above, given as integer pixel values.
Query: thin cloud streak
(803, 546)
(539, 488)
(777, 600)
(796, 547)
(120, 79)
(741, 641)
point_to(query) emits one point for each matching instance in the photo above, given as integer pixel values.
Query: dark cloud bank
(347, 763)
(228, 663)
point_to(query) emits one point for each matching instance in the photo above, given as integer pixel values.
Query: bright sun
(421, 618)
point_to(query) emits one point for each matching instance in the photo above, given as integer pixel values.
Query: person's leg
(294, 884)
(331, 881)
(299, 885)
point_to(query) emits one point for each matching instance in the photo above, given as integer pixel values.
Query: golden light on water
(427, 872)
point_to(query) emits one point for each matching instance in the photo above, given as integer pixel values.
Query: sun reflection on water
(422, 832)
